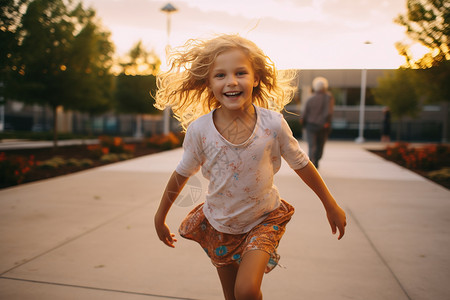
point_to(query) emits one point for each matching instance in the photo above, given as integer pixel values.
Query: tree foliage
(427, 22)
(137, 82)
(140, 61)
(397, 91)
(134, 94)
(425, 79)
(63, 58)
(91, 60)
(10, 16)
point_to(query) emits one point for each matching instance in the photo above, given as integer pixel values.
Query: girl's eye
(219, 75)
(241, 73)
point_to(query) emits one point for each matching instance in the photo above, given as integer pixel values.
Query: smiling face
(232, 80)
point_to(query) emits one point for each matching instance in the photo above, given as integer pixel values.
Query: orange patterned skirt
(224, 249)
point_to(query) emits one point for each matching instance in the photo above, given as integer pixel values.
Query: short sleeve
(192, 158)
(290, 149)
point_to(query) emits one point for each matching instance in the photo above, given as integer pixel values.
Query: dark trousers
(316, 136)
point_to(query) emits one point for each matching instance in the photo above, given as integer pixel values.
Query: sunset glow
(301, 34)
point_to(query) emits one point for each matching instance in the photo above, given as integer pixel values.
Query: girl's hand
(336, 218)
(173, 188)
(335, 214)
(165, 235)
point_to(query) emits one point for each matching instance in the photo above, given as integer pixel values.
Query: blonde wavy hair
(185, 86)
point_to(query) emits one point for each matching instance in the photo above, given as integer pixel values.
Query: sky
(295, 34)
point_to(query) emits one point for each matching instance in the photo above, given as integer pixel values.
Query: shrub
(86, 162)
(109, 145)
(110, 158)
(79, 162)
(427, 157)
(73, 162)
(114, 157)
(165, 142)
(13, 169)
(52, 163)
(442, 174)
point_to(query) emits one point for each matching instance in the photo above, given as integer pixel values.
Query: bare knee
(250, 275)
(247, 290)
(227, 277)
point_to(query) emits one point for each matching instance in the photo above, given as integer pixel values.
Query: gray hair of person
(320, 84)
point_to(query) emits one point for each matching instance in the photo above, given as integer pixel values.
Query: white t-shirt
(241, 191)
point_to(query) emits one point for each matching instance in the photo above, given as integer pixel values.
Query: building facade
(345, 85)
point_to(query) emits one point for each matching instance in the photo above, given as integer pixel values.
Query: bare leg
(250, 275)
(227, 277)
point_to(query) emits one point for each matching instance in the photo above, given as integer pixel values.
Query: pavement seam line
(94, 288)
(74, 238)
(378, 253)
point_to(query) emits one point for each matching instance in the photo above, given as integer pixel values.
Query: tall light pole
(362, 102)
(168, 9)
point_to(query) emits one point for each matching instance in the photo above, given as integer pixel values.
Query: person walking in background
(386, 126)
(316, 119)
(221, 91)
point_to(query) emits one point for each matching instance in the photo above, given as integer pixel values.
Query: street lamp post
(168, 9)
(362, 103)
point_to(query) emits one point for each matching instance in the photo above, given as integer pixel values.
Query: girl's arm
(173, 189)
(335, 214)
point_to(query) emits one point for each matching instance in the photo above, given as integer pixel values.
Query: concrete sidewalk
(90, 235)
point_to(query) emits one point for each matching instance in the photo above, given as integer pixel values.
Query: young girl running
(227, 94)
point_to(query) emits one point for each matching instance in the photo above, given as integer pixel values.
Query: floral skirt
(225, 249)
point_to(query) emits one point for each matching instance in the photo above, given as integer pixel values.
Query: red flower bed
(13, 168)
(165, 142)
(27, 165)
(428, 157)
(431, 161)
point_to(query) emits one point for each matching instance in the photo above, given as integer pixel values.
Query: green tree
(44, 38)
(91, 61)
(397, 91)
(428, 23)
(137, 83)
(140, 61)
(10, 15)
(134, 94)
(63, 58)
